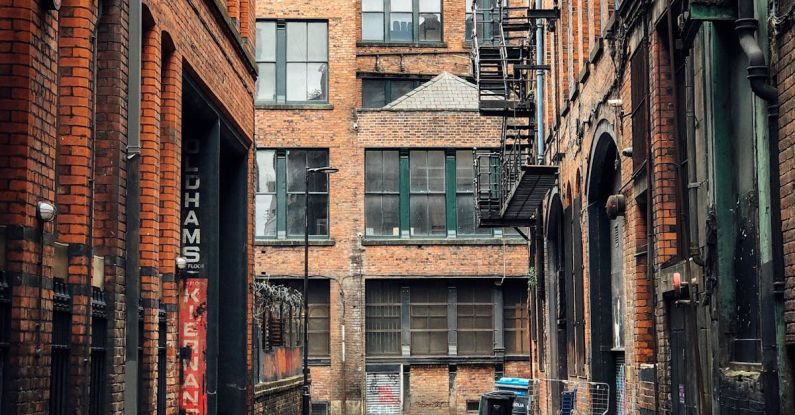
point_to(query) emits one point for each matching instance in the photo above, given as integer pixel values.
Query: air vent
(319, 408)
(473, 406)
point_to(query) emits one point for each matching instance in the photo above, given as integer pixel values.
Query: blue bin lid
(514, 382)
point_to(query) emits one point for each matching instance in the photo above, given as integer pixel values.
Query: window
(402, 20)
(475, 311)
(292, 60)
(487, 27)
(429, 319)
(280, 194)
(515, 314)
(382, 318)
(421, 193)
(379, 92)
(283, 323)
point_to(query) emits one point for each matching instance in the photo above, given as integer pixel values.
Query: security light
(45, 211)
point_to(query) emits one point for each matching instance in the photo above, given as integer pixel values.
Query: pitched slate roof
(444, 92)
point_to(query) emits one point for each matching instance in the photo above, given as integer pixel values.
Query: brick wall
(64, 105)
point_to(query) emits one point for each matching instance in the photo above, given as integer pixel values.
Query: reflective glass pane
(430, 6)
(318, 215)
(418, 161)
(382, 215)
(391, 164)
(431, 27)
(265, 212)
(372, 5)
(401, 5)
(317, 82)
(400, 88)
(296, 169)
(266, 41)
(296, 82)
(373, 171)
(464, 171)
(373, 93)
(318, 182)
(266, 171)
(468, 24)
(420, 218)
(295, 214)
(296, 42)
(436, 161)
(266, 82)
(400, 27)
(318, 42)
(437, 214)
(373, 26)
(465, 210)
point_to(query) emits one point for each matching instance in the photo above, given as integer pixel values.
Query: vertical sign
(193, 294)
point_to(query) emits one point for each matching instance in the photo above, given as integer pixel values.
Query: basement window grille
(161, 362)
(60, 351)
(473, 406)
(320, 408)
(5, 325)
(99, 332)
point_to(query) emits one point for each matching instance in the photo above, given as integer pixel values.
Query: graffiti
(192, 338)
(384, 393)
(282, 363)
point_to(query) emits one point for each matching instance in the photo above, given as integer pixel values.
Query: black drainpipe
(771, 274)
(133, 212)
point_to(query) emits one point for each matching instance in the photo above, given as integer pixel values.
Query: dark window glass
(428, 313)
(427, 197)
(379, 92)
(402, 20)
(292, 60)
(515, 319)
(382, 318)
(465, 195)
(265, 203)
(475, 310)
(382, 193)
(486, 20)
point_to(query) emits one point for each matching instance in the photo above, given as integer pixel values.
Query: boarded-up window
(382, 318)
(640, 106)
(475, 319)
(429, 318)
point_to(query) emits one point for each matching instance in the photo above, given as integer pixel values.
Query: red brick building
(411, 307)
(122, 115)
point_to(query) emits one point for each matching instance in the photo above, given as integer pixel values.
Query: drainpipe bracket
(746, 24)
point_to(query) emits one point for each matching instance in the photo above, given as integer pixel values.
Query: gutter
(133, 209)
(539, 86)
(771, 275)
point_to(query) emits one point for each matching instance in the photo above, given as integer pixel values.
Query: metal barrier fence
(568, 397)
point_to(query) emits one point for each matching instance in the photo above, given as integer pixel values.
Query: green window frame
(378, 92)
(292, 62)
(402, 21)
(487, 30)
(279, 197)
(394, 190)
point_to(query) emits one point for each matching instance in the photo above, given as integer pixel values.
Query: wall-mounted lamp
(45, 211)
(615, 102)
(627, 152)
(616, 206)
(182, 263)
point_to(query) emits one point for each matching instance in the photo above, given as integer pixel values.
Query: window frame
(281, 62)
(488, 27)
(450, 192)
(388, 88)
(386, 12)
(282, 192)
(521, 317)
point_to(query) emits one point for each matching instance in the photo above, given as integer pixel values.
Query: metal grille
(99, 332)
(384, 391)
(570, 396)
(161, 362)
(5, 325)
(319, 408)
(140, 385)
(61, 333)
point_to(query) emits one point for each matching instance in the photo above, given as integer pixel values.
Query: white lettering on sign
(191, 203)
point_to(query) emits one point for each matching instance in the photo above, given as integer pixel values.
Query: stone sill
(294, 242)
(376, 44)
(287, 107)
(276, 386)
(451, 241)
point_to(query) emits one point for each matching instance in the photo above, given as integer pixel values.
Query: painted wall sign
(191, 235)
(193, 337)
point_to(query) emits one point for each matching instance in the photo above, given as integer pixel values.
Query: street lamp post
(322, 170)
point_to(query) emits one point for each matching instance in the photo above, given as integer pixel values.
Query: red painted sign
(193, 336)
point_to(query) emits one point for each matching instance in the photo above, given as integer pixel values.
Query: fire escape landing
(510, 182)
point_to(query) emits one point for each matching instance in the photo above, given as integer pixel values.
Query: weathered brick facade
(349, 258)
(66, 126)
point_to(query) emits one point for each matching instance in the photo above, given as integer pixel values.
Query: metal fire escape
(510, 182)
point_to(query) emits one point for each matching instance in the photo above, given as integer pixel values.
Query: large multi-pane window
(283, 325)
(292, 60)
(414, 317)
(401, 20)
(280, 194)
(378, 92)
(421, 194)
(486, 17)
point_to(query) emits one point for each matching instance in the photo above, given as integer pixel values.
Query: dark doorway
(605, 243)
(557, 303)
(214, 240)
(682, 318)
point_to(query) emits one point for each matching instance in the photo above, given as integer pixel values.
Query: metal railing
(99, 334)
(568, 397)
(60, 349)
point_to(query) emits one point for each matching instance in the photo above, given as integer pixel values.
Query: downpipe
(746, 27)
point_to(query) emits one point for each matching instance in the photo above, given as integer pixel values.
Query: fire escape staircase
(510, 182)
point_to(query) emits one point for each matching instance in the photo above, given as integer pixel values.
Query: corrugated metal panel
(384, 393)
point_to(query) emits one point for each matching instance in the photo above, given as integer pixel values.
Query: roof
(444, 92)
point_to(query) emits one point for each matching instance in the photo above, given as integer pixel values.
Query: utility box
(497, 403)
(519, 386)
